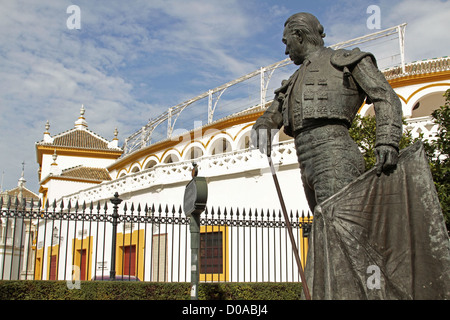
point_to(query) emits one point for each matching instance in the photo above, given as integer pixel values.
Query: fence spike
(91, 206)
(31, 203)
(1, 202)
(76, 206)
(84, 206)
(54, 204)
(16, 202)
(132, 208)
(146, 209)
(40, 203)
(180, 210)
(167, 209)
(173, 210)
(125, 208)
(61, 205)
(139, 209)
(46, 205)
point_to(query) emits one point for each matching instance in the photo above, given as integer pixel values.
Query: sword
(289, 228)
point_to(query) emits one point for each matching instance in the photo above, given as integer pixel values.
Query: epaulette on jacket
(345, 58)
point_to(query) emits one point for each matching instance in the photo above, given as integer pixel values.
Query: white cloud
(131, 61)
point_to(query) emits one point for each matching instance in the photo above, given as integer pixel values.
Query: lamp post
(115, 216)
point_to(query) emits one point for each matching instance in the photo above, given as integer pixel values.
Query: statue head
(302, 35)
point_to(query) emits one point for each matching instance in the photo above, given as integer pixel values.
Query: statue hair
(307, 26)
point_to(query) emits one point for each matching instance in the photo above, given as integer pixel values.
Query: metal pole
(115, 201)
(289, 228)
(195, 247)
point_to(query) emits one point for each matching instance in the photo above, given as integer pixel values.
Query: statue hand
(387, 158)
(261, 138)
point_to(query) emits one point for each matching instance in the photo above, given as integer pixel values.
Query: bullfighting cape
(382, 237)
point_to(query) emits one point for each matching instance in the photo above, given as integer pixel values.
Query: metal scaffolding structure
(143, 137)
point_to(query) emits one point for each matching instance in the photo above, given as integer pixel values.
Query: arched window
(150, 164)
(194, 153)
(135, 169)
(222, 145)
(427, 104)
(171, 158)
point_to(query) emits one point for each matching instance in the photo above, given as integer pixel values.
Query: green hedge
(118, 290)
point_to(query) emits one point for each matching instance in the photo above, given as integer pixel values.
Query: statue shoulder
(343, 58)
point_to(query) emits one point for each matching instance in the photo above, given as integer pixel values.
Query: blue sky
(130, 61)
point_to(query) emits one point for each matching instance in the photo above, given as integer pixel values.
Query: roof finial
(54, 157)
(81, 122)
(22, 180)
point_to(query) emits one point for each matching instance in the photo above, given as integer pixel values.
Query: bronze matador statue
(317, 105)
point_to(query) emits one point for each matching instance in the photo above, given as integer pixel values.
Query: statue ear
(299, 36)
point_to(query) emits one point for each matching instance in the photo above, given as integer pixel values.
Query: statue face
(295, 47)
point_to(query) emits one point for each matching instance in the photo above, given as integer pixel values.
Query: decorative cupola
(74, 159)
(47, 137)
(81, 123)
(115, 142)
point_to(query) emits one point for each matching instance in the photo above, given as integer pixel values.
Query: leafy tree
(363, 132)
(438, 150)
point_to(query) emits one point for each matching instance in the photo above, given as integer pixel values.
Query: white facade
(238, 176)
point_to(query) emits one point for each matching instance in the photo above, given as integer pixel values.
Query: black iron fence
(66, 241)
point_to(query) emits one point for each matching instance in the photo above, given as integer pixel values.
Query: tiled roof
(87, 173)
(75, 138)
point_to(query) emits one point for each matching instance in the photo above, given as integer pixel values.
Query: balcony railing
(422, 125)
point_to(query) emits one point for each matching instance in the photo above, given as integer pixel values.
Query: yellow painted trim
(224, 276)
(304, 241)
(189, 146)
(136, 238)
(426, 87)
(219, 133)
(72, 152)
(148, 157)
(70, 179)
(87, 244)
(167, 151)
(419, 78)
(39, 259)
(162, 145)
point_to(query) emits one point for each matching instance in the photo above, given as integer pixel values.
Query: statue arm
(272, 117)
(387, 105)
(388, 112)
